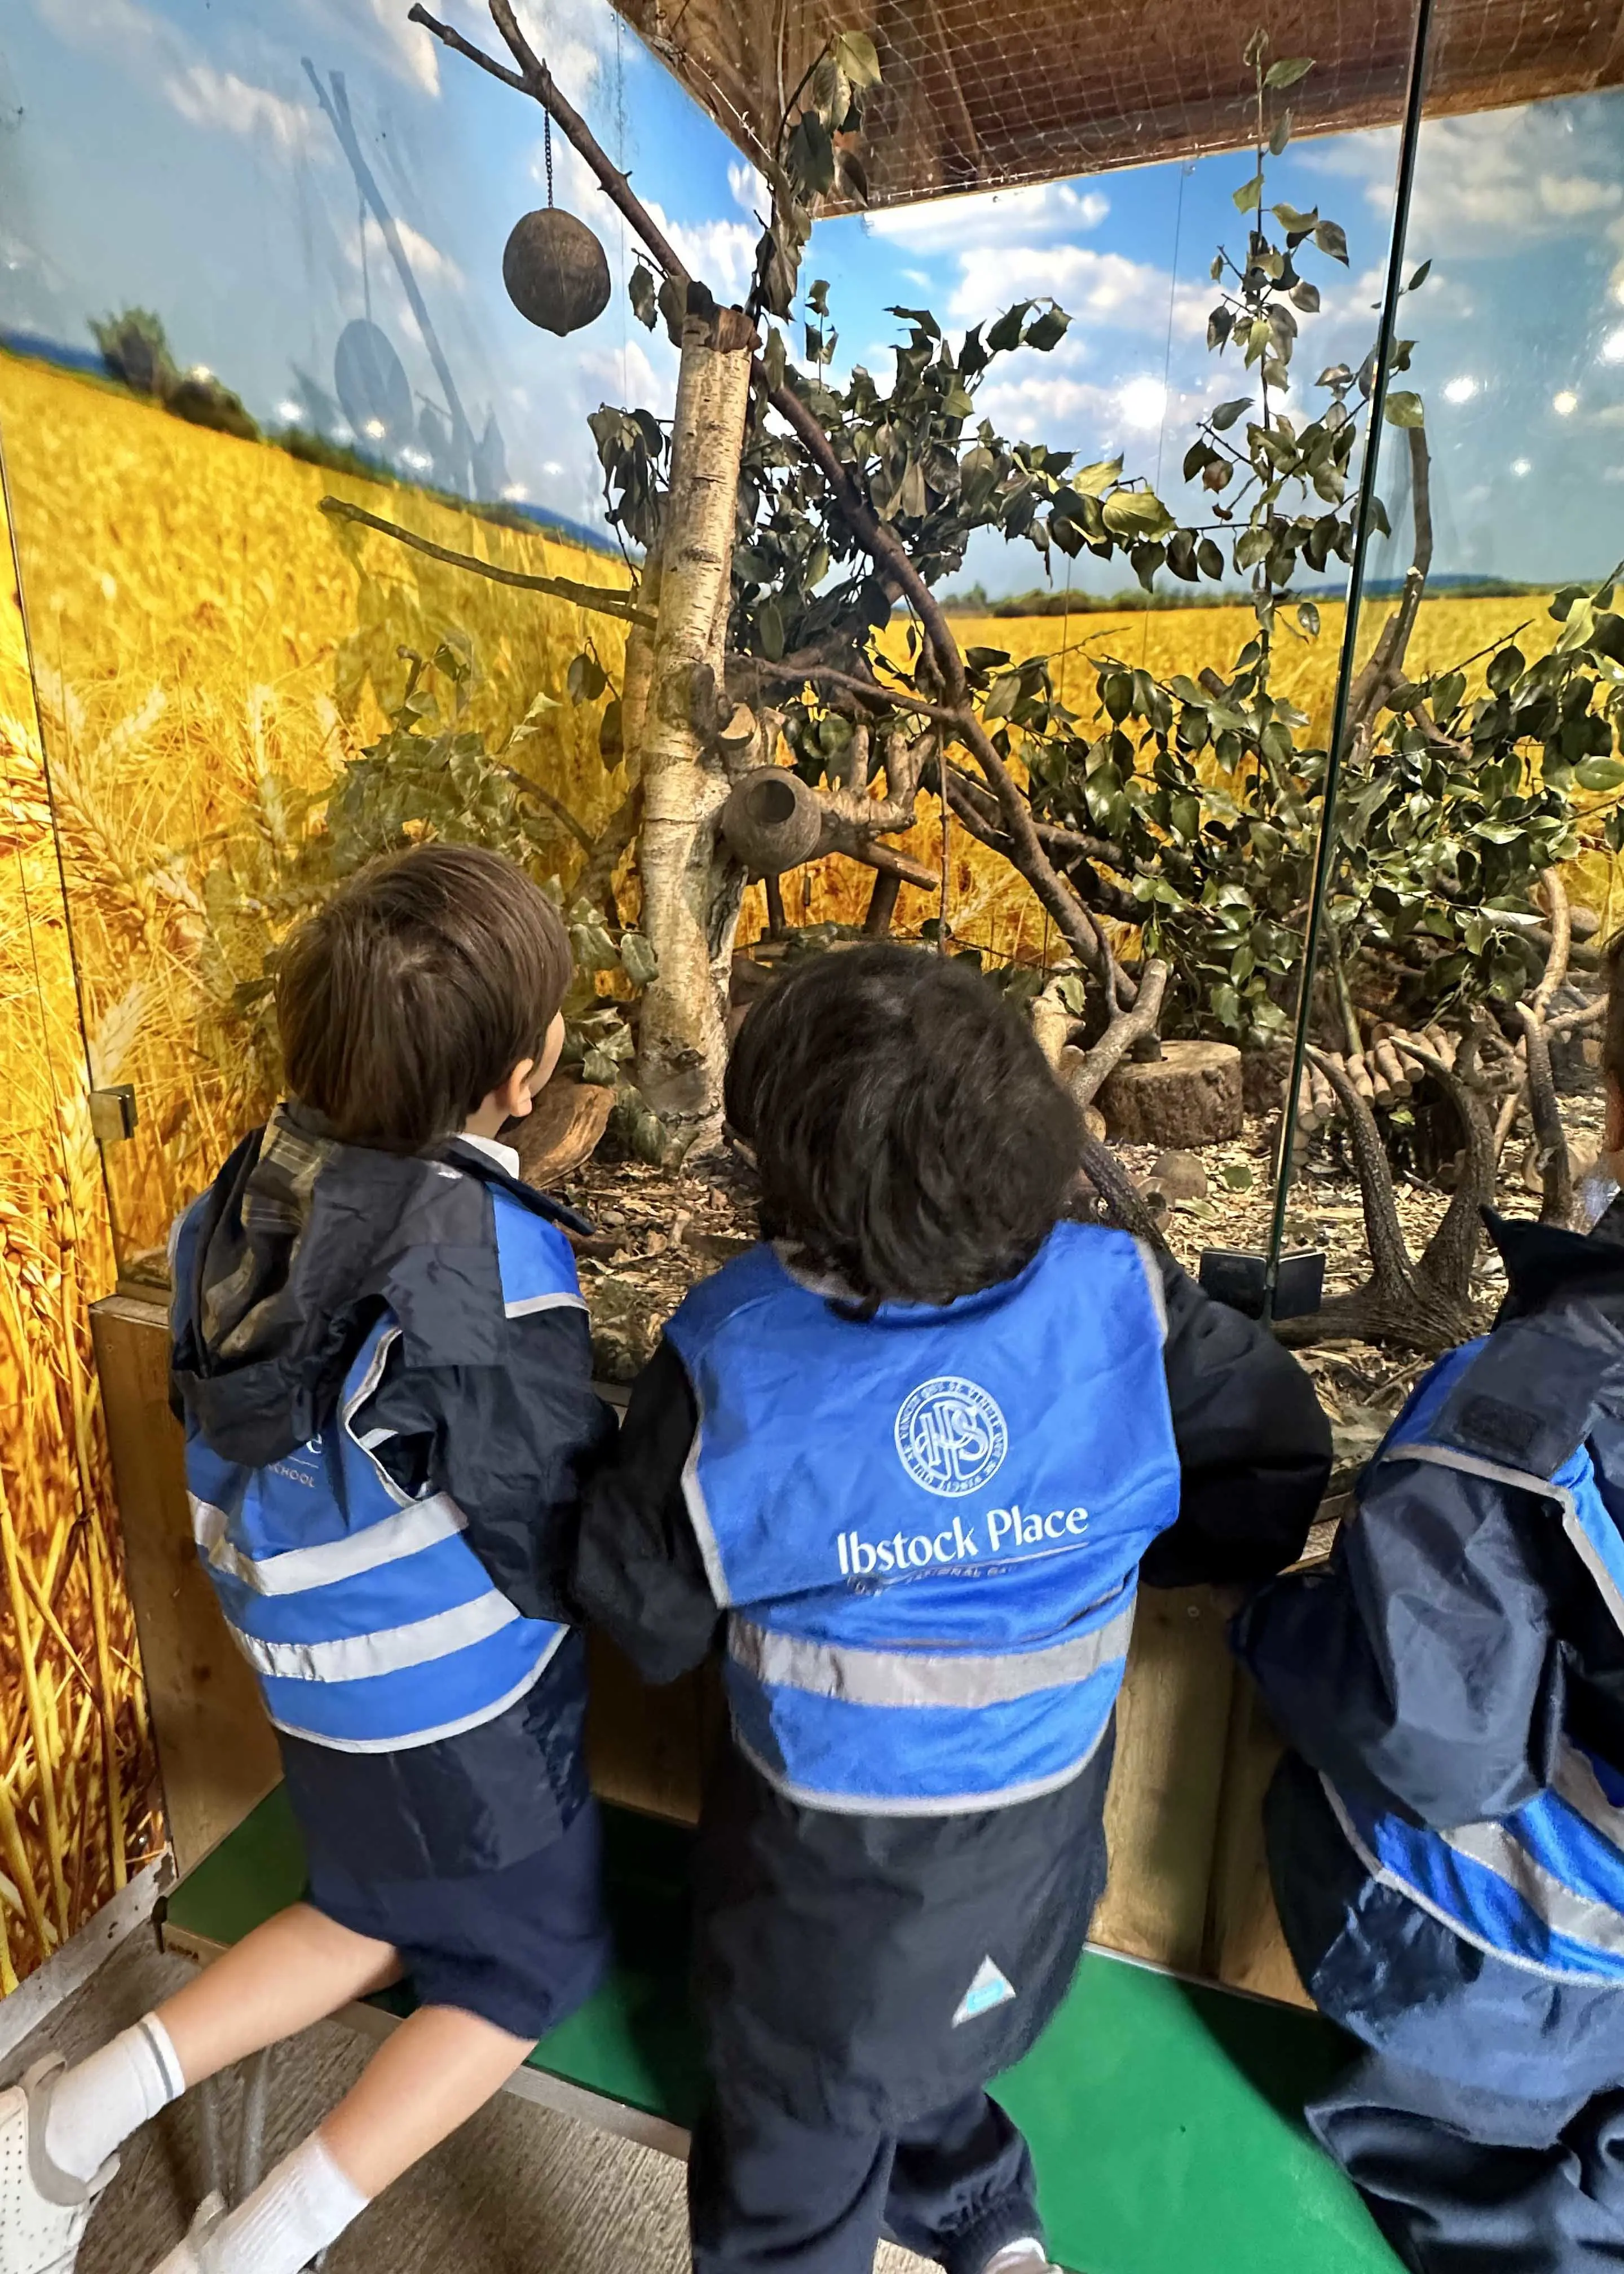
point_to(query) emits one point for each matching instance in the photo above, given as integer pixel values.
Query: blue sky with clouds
(170, 152)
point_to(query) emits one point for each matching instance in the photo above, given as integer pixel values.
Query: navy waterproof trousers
(769, 2194)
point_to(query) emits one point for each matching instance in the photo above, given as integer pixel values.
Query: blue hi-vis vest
(371, 1622)
(926, 1527)
(1542, 1887)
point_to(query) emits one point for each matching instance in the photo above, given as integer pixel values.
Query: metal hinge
(112, 1113)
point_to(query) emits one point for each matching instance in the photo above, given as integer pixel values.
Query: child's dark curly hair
(911, 1139)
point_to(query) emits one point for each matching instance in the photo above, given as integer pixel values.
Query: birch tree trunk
(692, 887)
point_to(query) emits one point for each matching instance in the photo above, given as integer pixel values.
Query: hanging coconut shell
(771, 820)
(555, 271)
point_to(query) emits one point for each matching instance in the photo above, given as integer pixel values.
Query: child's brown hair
(413, 994)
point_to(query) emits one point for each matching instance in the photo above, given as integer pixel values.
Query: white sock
(95, 2107)
(1026, 2256)
(306, 2204)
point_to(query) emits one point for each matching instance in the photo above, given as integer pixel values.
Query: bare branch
(1560, 912)
(1450, 1253)
(1550, 1138)
(603, 600)
(1391, 1268)
(595, 881)
(1126, 1027)
(534, 79)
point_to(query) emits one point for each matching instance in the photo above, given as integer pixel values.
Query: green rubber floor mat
(1163, 2116)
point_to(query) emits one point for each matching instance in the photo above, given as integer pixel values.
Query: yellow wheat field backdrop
(78, 1802)
(207, 653)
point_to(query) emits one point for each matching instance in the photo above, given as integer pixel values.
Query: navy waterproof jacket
(353, 1354)
(1458, 1665)
(862, 1966)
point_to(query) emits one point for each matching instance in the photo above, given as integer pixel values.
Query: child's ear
(514, 1095)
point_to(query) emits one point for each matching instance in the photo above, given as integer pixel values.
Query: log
(691, 898)
(562, 1130)
(1189, 1095)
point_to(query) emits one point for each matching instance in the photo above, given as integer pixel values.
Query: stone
(562, 1130)
(1178, 1176)
(1189, 1095)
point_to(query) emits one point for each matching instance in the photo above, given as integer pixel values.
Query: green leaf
(770, 630)
(1209, 559)
(1048, 330)
(1227, 413)
(1137, 514)
(1404, 409)
(1005, 334)
(637, 959)
(1249, 196)
(1308, 616)
(1236, 1175)
(1294, 221)
(1255, 544)
(642, 291)
(854, 52)
(1332, 238)
(1599, 775)
(1288, 71)
(1305, 297)
(585, 679)
(1094, 481)
(1420, 277)
(1280, 134)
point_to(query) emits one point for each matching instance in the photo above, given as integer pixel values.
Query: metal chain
(546, 144)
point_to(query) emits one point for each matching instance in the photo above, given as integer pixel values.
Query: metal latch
(112, 1113)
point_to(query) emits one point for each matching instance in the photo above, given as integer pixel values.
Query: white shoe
(1026, 2256)
(43, 2213)
(193, 2256)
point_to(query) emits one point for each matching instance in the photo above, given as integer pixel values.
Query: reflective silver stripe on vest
(1446, 1457)
(423, 1524)
(528, 1305)
(887, 1677)
(952, 1803)
(481, 1714)
(1579, 1917)
(352, 1657)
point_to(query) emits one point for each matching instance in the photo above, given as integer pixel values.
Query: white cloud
(750, 193)
(207, 97)
(1130, 295)
(990, 217)
(1492, 182)
(430, 265)
(720, 254)
(629, 375)
(403, 48)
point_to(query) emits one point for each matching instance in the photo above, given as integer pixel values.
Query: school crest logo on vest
(950, 1435)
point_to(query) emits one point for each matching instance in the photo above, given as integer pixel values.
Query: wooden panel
(1246, 1947)
(216, 1750)
(647, 1749)
(1163, 1815)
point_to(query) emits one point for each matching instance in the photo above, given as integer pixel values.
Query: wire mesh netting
(980, 97)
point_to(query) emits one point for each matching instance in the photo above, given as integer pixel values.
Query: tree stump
(1189, 1095)
(562, 1130)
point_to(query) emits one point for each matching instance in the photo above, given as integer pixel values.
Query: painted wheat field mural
(78, 1792)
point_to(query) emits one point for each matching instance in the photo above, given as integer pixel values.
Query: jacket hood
(285, 1265)
(1545, 1264)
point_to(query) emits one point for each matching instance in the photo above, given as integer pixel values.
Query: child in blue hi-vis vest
(1447, 1838)
(381, 1358)
(905, 1461)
